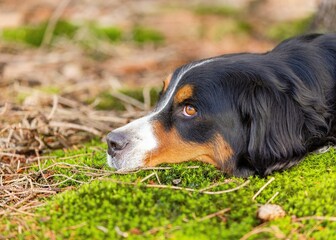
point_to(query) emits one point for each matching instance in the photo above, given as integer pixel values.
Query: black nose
(116, 142)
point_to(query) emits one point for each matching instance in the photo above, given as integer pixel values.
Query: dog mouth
(112, 161)
(121, 163)
(129, 145)
(118, 147)
(117, 159)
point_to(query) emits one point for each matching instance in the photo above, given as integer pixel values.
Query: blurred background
(71, 70)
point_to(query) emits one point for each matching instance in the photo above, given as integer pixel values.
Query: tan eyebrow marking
(171, 90)
(166, 82)
(184, 93)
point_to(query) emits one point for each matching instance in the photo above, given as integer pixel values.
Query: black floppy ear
(274, 126)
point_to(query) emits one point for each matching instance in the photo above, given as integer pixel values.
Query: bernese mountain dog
(245, 113)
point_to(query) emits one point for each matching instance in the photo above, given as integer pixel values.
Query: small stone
(10, 19)
(72, 71)
(135, 231)
(45, 219)
(177, 181)
(269, 212)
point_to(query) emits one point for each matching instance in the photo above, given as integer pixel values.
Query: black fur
(271, 108)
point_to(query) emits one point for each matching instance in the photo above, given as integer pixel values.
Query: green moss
(244, 26)
(108, 102)
(130, 207)
(21, 97)
(50, 89)
(112, 33)
(237, 27)
(288, 29)
(143, 35)
(95, 210)
(33, 35)
(216, 10)
(233, 22)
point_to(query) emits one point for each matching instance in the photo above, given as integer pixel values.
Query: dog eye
(189, 111)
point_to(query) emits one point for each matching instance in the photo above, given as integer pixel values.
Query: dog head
(191, 121)
(244, 113)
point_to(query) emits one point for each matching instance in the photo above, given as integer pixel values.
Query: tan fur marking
(166, 82)
(173, 149)
(184, 93)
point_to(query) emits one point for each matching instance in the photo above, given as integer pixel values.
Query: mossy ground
(89, 34)
(118, 205)
(33, 35)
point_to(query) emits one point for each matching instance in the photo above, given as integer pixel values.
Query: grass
(32, 35)
(225, 11)
(236, 27)
(142, 35)
(117, 206)
(233, 21)
(107, 101)
(239, 24)
(284, 30)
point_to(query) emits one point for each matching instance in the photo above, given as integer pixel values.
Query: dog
(246, 113)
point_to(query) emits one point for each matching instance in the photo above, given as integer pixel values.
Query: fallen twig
(217, 184)
(11, 155)
(53, 21)
(272, 198)
(54, 108)
(157, 177)
(213, 214)
(181, 188)
(129, 100)
(277, 233)
(16, 210)
(147, 177)
(263, 187)
(74, 126)
(321, 218)
(34, 190)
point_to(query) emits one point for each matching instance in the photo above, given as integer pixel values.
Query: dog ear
(274, 125)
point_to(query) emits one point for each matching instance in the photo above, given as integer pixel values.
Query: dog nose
(115, 142)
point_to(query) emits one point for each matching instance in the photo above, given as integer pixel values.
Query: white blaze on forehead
(171, 90)
(140, 132)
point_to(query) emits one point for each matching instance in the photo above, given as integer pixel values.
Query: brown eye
(189, 111)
